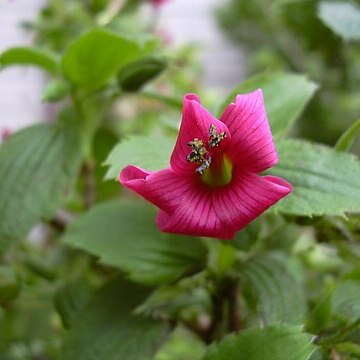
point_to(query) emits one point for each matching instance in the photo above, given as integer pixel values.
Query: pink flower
(212, 187)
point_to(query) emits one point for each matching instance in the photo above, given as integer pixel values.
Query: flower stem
(225, 311)
(234, 311)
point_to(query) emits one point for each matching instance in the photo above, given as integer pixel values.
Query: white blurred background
(185, 21)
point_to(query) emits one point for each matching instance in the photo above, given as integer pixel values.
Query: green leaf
(40, 267)
(123, 234)
(149, 152)
(9, 285)
(95, 57)
(322, 311)
(182, 345)
(37, 166)
(278, 342)
(56, 90)
(346, 300)
(107, 329)
(70, 299)
(286, 95)
(135, 75)
(279, 296)
(343, 18)
(326, 182)
(248, 237)
(29, 56)
(347, 138)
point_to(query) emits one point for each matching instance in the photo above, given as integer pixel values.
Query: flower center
(220, 171)
(216, 169)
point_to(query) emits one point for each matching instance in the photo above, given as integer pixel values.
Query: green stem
(90, 114)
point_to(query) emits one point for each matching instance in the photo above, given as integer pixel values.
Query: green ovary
(219, 172)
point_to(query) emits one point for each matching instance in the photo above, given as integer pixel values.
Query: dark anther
(215, 138)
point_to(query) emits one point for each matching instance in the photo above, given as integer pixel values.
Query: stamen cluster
(199, 154)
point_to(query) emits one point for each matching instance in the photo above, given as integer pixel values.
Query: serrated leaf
(279, 296)
(37, 167)
(342, 17)
(29, 57)
(151, 153)
(286, 96)
(347, 138)
(95, 57)
(107, 329)
(278, 342)
(326, 182)
(123, 234)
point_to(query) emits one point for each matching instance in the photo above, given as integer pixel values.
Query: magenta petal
(195, 123)
(190, 208)
(248, 196)
(162, 188)
(195, 217)
(252, 145)
(185, 204)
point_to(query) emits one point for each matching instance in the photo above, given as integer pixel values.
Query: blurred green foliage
(290, 35)
(97, 280)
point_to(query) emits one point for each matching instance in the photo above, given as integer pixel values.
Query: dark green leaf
(347, 138)
(276, 342)
(107, 329)
(37, 166)
(29, 56)
(95, 57)
(9, 285)
(322, 311)
(40, 267)
(247, 238)
(342, 17)
(151, 153)
(71, 299)
(135, 75)
(123, 234)
(346, 299)
(326, 182)
(279, 295)
(286, 96)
